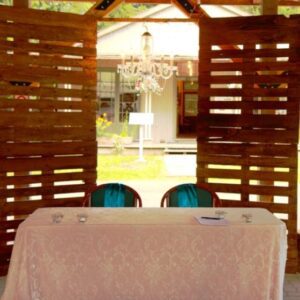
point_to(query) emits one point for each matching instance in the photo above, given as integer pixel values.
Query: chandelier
(147, 72)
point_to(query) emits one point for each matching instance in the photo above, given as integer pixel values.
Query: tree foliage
(71, 7)
(282, 10)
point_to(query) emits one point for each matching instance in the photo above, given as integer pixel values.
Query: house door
(187, 97)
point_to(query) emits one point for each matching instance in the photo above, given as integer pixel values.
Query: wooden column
(20, 110)
(268, 7)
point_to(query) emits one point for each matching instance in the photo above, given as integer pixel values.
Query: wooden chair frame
(137, 197)
(166, 197)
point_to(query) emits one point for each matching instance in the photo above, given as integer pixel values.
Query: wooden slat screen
(248, 122)
(47, 114)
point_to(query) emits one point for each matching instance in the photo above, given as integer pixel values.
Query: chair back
(112, 195)
(190, 195)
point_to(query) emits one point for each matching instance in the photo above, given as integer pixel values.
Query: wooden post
(20, 4)
(268, 7)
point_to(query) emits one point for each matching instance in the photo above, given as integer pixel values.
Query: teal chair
(113, 195)
(190, 195)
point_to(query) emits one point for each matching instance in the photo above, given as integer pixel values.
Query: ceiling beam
(148, 20)
(148, 1)
(248, 2)
(269, 7)
(203, 2)
(90, 1)
(21, 3)
(108, 6)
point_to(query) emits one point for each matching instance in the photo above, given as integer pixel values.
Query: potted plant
(126, 137)
(102, 124)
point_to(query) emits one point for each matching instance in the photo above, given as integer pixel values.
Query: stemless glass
(82, 217)
(57, 217)
(220, 214)
(247, 218)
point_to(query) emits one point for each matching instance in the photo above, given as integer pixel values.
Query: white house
(175, 108)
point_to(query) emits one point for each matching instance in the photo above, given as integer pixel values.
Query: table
(147, 253)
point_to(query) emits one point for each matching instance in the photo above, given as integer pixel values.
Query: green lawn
(115, 167)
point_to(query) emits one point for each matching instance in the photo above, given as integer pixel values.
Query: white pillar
(141, 141)
(148, 107)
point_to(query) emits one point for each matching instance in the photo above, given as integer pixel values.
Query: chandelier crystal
(147, 71)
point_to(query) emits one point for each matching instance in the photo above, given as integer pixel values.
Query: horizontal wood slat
(25, 134)
(46, 61)
(248, 115)
(279, 66)
(44, 48)
(22, 207)
(48, 92)
(48, 75)
(48, 152)
(248, 135)
(236, 160)
(11, 150)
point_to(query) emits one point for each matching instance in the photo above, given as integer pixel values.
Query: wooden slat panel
(47, 163)
(57, 177)
(256, 79)
(25, 134)
(250, 105)
(35, 119)
(22, 207)
(45, 48)
(47, 92)
(202, 157)
(46, 104)
(247, 135)
(255, 92)
(47, 129)
(48, 75)
(33, 191)
(47, 149)
(249, 53)
(255, 121)
(249, 175)
(47, 61)
(246, 66)
(247, 149)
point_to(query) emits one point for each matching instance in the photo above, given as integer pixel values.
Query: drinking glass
(57, 217)
(220, 214)
(247, 218)
(82, 217)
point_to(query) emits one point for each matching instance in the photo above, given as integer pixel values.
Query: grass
(116, 167)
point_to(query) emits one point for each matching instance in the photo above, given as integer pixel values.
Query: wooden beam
(248, 2)
(21, 3)
(149, 1)
(269, 7)
(90, 1)
(229, 2)
(203, 2)
(198, 11)
(148, 20)
(94, 11)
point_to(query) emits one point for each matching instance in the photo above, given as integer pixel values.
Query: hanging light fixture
(147, 71)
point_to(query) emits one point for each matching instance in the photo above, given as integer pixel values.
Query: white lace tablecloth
(147, 253)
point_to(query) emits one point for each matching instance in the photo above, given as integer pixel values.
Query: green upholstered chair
(190, 195)
(113, 195)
